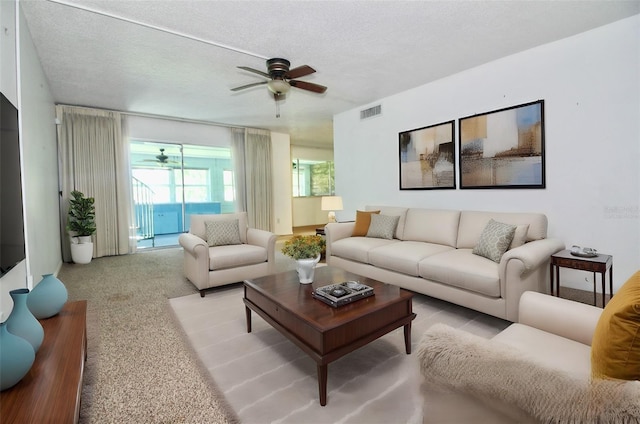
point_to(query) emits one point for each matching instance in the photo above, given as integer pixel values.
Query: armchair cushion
(222, 232)
(232, 256)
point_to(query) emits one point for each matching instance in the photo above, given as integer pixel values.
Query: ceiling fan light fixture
(278, 86)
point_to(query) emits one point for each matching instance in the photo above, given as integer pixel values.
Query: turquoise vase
(47, 298)
(16, 358)
(21, 321)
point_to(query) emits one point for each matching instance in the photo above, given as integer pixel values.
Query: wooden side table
(601, 264)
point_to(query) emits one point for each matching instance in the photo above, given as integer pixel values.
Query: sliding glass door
(171, 182)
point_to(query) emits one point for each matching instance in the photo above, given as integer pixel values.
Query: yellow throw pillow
(363, 220)
(615, 348)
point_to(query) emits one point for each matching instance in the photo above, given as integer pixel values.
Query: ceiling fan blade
(249, 85)
(316, 88)
(300, 71)
(255, 71)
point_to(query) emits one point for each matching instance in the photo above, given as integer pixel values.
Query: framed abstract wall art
(503, 148)
(427, 157)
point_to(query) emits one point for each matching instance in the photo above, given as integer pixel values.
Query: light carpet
(267, 379)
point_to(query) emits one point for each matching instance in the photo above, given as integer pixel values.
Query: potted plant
(306, 250)
(81, 226)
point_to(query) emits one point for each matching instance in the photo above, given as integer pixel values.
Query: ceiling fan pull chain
(277, 109)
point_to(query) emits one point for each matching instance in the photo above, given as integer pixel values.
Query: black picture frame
(427, 157)
(503, 148)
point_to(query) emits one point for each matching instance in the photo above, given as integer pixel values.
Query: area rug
(265, 378)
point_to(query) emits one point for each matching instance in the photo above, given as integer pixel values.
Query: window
(196, 185)
(313, 178)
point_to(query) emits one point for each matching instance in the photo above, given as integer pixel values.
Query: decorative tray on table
(342, 293)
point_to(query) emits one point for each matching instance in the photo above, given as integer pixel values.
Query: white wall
(39, 167)
(591, 87)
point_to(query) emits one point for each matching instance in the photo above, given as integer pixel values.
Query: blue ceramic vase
(16, 358)
(47, 298)
(21, 321)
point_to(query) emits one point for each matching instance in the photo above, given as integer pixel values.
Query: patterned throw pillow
(222, 232)
(383, 226)
(494, 240)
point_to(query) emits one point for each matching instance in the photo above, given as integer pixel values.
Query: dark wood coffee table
(323, 332)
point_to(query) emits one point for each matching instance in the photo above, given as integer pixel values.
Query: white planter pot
(81, 253)
(306, 269)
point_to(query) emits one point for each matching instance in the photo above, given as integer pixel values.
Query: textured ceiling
(93, 53)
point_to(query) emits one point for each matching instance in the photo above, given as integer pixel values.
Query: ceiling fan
(281, 78)
(161, 159)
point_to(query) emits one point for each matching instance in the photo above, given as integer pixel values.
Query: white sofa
(431, 253)
(536, 370)
(214, 266)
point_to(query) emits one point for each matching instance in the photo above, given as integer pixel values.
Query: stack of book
(342, 293)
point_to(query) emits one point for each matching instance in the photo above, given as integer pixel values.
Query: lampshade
(278, 86)
(331, 203)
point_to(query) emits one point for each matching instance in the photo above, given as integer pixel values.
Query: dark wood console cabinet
(50, 392)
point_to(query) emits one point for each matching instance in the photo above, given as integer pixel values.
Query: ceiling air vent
(371, 112)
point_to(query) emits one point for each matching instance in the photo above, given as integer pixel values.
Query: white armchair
(208, 264)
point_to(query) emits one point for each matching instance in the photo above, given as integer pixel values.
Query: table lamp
(331, 204)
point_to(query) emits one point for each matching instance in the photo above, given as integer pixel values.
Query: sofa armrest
(563, 317)
(532, 254)
(265, 239)
(335, 231)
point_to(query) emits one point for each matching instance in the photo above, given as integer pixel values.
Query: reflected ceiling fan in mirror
(162, 159)
(280, 79)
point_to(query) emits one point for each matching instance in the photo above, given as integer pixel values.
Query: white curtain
(251, 150)
(237, 155)
(94, 159)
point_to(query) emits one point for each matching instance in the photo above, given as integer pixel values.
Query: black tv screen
(12, 249)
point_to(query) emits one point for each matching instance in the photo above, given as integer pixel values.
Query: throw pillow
(615, 347)
(363, 220)
(222, 232)
(494, 240)
(383, 226)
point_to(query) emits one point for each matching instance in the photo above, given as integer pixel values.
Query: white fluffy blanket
(493, 371)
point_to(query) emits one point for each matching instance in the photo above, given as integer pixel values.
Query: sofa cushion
(231, 256)
(404, 256)
(615, 348)
(223, 232)
(383, 226)
(197, 226)
(363, 220)
(461, 268)
(432, 226)
(494, 240)
(357, 248)
(473, 222)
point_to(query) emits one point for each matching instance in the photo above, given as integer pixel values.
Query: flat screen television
(12, 248)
